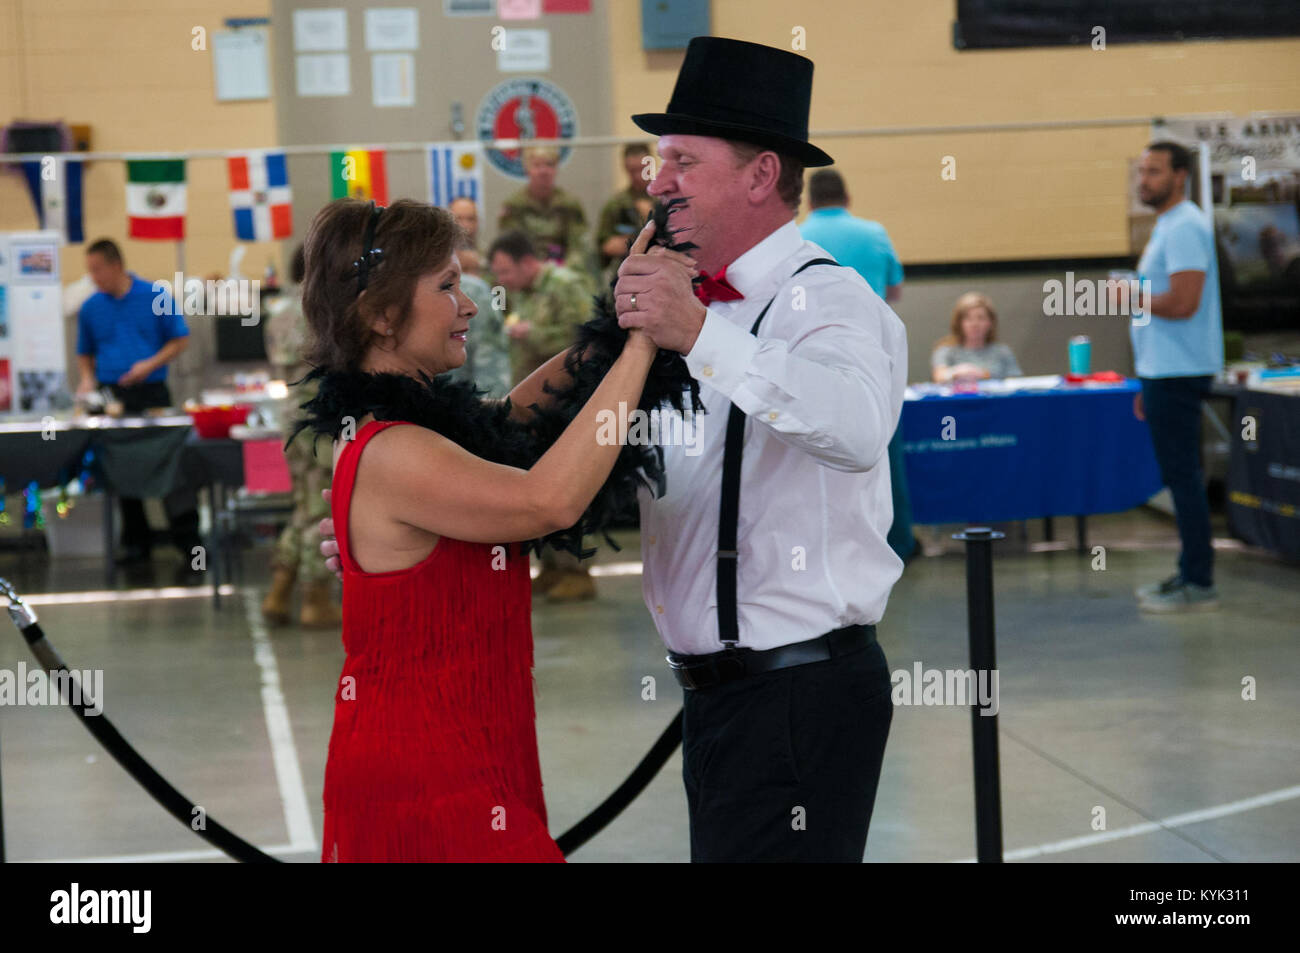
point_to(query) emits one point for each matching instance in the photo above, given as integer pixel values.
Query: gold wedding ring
(632, 301)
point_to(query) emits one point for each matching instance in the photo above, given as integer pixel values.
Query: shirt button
(706, 370)
(652, 540)
(659, 609)
(771, 415)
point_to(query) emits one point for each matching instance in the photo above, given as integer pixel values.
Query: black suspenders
(729, 508)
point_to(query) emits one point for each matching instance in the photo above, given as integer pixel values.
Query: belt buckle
(682, 672)
(730, 661)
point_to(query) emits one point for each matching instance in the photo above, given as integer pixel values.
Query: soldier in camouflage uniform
(547, 214)
(297, 555)
(487, 349)
(625, 213)
(545, 303)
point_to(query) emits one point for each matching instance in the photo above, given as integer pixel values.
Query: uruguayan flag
(455, 171)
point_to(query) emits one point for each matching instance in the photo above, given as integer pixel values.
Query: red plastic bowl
(214, 423)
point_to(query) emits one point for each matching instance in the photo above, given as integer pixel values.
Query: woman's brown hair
(968, 302)
(413, 238)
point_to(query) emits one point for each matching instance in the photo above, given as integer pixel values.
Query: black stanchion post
(983, 661)
(2, 822)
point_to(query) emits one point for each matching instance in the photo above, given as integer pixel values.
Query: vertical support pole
(110, 552)
(983, 661)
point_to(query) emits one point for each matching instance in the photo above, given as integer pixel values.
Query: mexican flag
(155, 198)
(359, 174)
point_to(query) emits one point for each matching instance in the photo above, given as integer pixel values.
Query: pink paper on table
(265, 469)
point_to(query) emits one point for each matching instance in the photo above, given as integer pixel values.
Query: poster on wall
(323, 74)
(1255, 183)
(525, 108)
(1240, 147)
(469, 8)
(525, 51)
(35, 262)
(392, 28)
(392, 79)
(32, 357)
(320, 31)
(519, 9)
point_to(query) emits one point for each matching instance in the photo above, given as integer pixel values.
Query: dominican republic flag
(455, 171)
(359, 174)
(155, 199)
(260, 196)
(55, 187)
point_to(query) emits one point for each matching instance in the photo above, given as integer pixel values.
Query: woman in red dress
(433, 755)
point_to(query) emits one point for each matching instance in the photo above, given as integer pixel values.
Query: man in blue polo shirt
(865, 247)
(1177, 350)
(124, 344)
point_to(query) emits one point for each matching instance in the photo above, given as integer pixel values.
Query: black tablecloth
(1264, 473)
(148, 461)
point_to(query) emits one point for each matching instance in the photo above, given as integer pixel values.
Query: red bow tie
(716, 288)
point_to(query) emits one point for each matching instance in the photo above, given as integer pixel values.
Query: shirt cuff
(721, 355)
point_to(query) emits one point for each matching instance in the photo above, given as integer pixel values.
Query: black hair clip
(369, 256)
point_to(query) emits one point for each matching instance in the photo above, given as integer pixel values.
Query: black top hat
(731, 89)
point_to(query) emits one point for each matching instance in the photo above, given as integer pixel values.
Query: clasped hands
(654, 293)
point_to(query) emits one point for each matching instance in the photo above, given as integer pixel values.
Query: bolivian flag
(359, 174)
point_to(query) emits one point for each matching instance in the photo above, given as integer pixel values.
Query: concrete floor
(1100, 708)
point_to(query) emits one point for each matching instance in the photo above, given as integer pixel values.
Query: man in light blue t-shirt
(865, 247)
(861, 244)
(1177, 350)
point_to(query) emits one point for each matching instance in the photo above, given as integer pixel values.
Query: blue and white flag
(55, 187)
(455, 171)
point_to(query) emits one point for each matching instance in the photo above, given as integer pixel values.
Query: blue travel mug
(1080, 354)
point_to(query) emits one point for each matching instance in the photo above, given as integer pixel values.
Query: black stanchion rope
(184, 810)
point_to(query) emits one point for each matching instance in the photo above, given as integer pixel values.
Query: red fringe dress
(433, 756)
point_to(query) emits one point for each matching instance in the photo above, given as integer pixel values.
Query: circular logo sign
(524, 109)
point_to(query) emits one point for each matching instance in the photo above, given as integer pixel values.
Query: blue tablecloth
(1069, 451)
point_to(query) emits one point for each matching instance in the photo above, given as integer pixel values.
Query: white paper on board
(323, 74)
(392, 79)
(36, 326)
(525, 51)
(392, 28)
(320, 31)
(239, 64)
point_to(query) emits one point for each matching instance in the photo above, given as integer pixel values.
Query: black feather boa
(458, 411)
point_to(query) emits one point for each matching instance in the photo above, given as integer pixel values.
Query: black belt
(706, 671)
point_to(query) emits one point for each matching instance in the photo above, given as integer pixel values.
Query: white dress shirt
(822, 388)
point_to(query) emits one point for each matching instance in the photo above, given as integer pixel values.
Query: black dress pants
(783, 766)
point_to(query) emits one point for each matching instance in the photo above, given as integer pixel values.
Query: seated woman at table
(969, 351)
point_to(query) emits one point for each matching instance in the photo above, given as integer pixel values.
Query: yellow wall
(126, 67)
(1042, 194)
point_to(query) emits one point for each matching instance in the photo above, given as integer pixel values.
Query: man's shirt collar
(751, 269)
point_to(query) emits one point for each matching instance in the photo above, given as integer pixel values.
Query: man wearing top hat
(766, 564)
